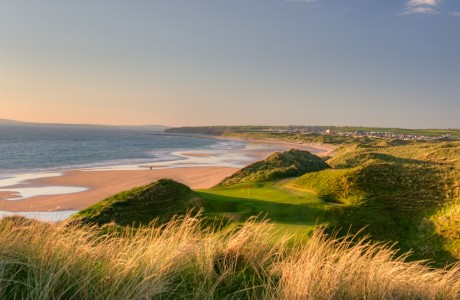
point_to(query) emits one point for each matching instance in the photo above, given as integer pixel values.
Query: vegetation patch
(292, 211)
(404, 192)
(184, 259)
(159, 200)
(279, 165)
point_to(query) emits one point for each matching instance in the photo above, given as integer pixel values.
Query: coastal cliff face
(279, 165)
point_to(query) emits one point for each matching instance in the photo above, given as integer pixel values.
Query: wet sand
(102, 184)
(6, 195)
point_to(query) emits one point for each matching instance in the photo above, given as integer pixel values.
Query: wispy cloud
(421, 10)
(421, 7)
(422, 2)
(455, 14)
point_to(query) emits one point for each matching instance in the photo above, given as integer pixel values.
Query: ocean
(43, 148)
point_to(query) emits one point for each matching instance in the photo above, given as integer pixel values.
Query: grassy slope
(407, 193)
(161, 199)
(257, 190)
(399, 191)
(293, 211)
(279, 165)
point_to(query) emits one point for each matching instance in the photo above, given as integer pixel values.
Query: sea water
(29, 152)
(26, 149)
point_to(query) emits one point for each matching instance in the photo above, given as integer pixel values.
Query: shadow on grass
(287, 213)
(400, 160)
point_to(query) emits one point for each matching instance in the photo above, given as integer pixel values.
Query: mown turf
(293, 211)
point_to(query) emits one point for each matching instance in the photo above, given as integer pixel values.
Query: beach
(85, 187)
(102, 184)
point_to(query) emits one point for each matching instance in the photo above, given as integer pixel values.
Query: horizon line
(168, 126)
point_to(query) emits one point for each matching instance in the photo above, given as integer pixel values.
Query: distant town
(294, 129)
(309, 132)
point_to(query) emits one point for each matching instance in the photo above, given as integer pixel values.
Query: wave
(39, 149)
(117, 162)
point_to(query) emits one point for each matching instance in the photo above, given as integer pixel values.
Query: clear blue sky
(226, 62)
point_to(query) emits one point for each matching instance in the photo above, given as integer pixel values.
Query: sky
(386, 63)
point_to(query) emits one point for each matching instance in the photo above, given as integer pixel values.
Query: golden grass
(184, 259)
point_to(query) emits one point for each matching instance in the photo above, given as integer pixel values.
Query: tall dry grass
(184, 259)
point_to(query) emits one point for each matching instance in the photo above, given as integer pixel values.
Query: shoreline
(327, 149)
(102, 184)
(200, 169)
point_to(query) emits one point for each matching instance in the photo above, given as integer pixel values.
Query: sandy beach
(102, 184)
(198, 169)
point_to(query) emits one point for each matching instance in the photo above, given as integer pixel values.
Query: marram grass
(183, 259)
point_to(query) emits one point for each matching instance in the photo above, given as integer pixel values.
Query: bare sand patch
(103, 184)
(6, 195)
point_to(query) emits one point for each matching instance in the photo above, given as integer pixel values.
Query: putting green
(291, 210)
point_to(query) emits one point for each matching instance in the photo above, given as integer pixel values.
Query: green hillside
(232, 202)
(161, 199)
(407, 193)
(279, 165)
(395, 191)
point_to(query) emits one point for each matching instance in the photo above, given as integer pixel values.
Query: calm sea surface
(45, 147)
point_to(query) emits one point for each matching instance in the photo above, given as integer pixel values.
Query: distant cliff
(218, 130)
(198, 130)
(159, 128)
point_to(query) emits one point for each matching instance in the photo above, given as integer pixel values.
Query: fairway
(292, 211)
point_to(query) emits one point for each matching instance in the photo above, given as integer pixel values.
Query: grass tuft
(184, 259)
